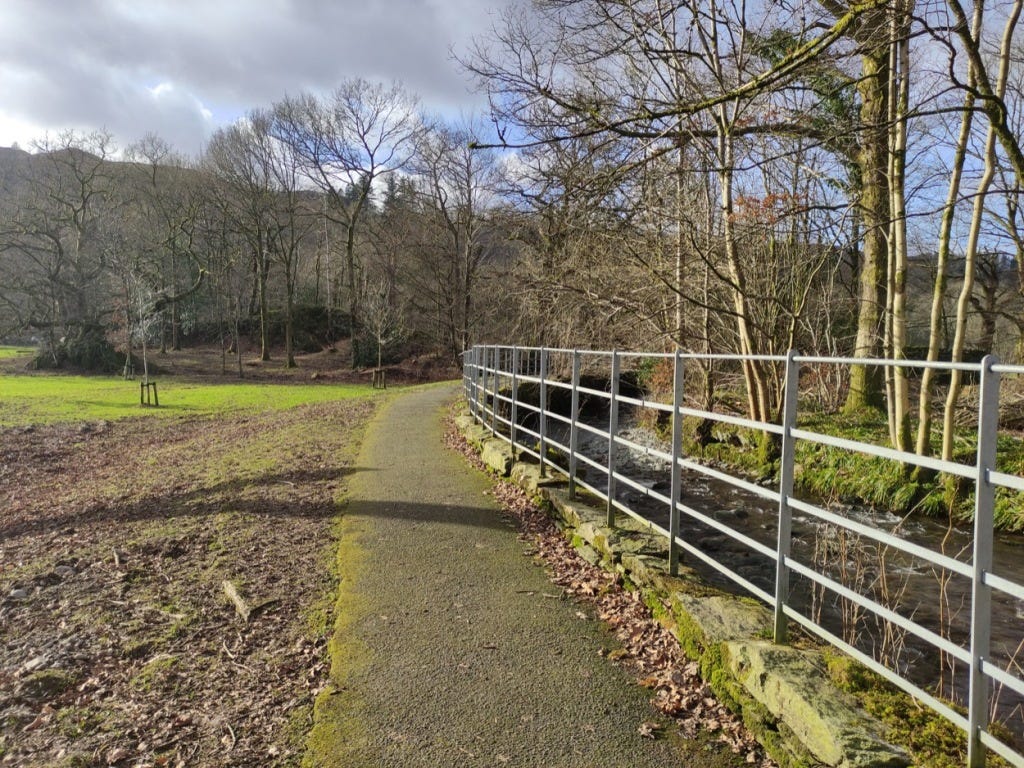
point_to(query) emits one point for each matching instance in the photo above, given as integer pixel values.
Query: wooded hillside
(843, 179)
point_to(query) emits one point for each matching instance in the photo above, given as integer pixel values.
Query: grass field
(8, 352)
(28, 400)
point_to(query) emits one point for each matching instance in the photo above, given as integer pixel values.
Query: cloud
(181, 67)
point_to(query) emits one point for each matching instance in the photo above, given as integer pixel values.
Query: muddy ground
(211, 363)
(118, 644)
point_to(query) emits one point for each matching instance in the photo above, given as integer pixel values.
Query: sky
(182, 68)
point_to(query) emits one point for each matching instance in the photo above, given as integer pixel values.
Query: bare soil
(207, 362)
(118, 645)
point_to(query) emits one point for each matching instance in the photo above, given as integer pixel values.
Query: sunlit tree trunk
(757, 387)
(262, 271)
(975, 232)
(899, 94)
(935, 335)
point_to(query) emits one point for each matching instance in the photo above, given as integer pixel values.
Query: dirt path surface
(452, 647)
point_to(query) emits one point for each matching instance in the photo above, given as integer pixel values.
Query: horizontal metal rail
(880, 669)
(1003, 677)
(743, 485)
(493, 379)
(1004, 585)
(641, 403)
(736, 421)
(732, 533)
(879, 610)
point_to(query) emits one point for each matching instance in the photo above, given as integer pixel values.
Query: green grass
(61, 399)
(9, 352)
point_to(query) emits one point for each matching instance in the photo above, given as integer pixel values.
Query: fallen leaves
(649, 730)
(124, 650)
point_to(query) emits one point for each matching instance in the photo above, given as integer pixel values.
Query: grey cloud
(90, 63)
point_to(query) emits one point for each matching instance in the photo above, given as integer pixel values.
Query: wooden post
(148, 394)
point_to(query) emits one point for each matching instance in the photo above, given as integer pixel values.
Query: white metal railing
(493, 376)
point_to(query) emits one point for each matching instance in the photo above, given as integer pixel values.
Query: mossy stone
(789, 684)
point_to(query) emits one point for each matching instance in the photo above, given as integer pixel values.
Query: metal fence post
(573, 418)
(485, 357)
(786, 462)
(613, 430)
(677, 478)
(478, 380)
(473, 373)
(543, 410)
(981, 593)
(516, 359)
(494, 388)
(482, 397)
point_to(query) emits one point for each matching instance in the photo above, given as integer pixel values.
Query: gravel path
(452, 647)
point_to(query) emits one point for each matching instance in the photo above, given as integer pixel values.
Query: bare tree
(640, 83)
(384, 315)
(345, 143)
(458, 185)
(261, 177)
(56, 240)
(168, 199)
(994, 134)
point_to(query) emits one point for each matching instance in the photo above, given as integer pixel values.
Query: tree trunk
(262, 269)
(757, 393)
(175, 312)
(865, 380)
(995, 131)
(935, 325)
(680, 262)
(222, 327)
(900, 95)
(289, 325)
(238, 334)
(128, 324)
(353, 297)
(964, 300)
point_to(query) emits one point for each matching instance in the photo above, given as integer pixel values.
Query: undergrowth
(847, 477)
(930, 739)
